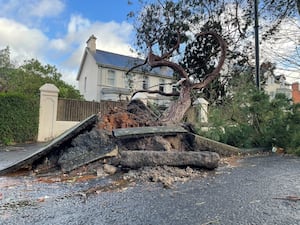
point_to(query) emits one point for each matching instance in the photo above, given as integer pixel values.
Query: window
(111, 77)
(84, 87)
(161, 85)
(145, 83)
(174, 89)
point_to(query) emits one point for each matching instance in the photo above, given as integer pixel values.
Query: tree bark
(175, 112)
(135, 132)
(138, 159)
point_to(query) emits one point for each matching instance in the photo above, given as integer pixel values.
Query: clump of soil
(137, 114)
(166, 175)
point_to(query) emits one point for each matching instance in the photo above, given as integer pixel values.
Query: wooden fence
(76, 110)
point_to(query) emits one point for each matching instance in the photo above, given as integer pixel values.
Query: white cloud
(111, 36)
(77, 24)
(25, 43)
(45, 8)
(23, 9)
(59, 44)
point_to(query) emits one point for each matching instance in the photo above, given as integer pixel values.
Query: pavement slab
(13, 158)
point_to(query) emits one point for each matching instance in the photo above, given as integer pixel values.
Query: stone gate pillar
(203, 112)
(48, 112)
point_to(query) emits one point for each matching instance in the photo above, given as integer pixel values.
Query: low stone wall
(205, 144)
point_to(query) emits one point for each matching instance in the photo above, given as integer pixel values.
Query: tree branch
(156, 92)
(211, 76)
(176, 46)
(159, 61)
(136, 66)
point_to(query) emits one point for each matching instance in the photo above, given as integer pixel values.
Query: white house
(102, 76)
(276, 84)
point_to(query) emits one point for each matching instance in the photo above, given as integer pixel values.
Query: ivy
(18, 118)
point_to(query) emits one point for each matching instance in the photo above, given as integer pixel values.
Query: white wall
(137, 84)
(90, 71)
(271, 88)
(97, 77)
(153, 82)
(62, 126)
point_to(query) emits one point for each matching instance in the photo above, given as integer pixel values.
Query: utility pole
(256, 26)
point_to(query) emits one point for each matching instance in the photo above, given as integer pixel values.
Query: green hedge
(18, 118)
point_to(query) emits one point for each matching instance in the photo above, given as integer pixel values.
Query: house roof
(109, 59)
(123, 62)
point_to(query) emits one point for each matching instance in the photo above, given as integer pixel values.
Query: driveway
(255, 190)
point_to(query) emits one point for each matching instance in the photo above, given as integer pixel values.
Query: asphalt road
(254, 192)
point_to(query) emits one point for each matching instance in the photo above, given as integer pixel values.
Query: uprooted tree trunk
(137, 159)
(177, 109)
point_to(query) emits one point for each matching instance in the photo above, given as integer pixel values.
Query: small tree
(250, 119)
(41, 74)
(29, 77)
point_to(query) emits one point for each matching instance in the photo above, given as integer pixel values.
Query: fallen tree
(164, 141)
(138, 159)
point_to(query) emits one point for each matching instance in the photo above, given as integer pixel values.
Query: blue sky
(55, 31)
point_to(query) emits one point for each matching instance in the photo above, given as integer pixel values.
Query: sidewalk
(13, 158)
(10, 155)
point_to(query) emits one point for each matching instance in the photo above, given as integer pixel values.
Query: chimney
(91, 44)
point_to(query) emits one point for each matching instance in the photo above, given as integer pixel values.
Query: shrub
(297, 152)
(214, 133)
(18, 118)
(257, 122)
(239, 136)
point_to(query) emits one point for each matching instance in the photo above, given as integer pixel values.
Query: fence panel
(76, 110)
